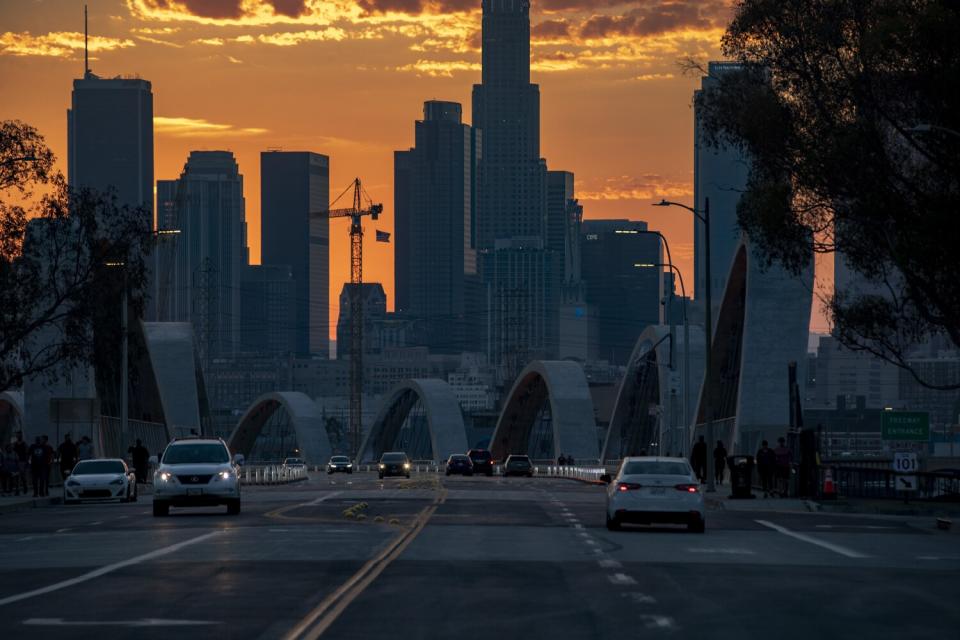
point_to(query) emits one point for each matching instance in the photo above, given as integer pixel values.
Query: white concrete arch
(444, 419)
(306, 419)
(11, 414)
(563, 384)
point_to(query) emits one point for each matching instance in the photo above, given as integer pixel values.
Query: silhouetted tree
(55, 247)
(850, 112)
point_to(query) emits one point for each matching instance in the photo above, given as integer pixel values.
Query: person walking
(698, 459)
(766, 462)
(141, 461)
(22, 451)
(9, 471)
(719, 461)
(49, 455)
(38, 468)
(85, 449)
(67, 453)
(562, 460)
(783, 461)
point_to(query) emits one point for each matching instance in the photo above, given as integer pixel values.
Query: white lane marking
(121, 517)
(852, 526)
(25, 539)
(609, 563)
(598, 549)
(621, 579)
(938, 557)
(639, 598)
(589, 541)
(146, 622)
(585, 534)
(93, 524)
(110, 568)
(63, 530)
(313, 503)
(577, 525)
(733, 552)
(843, 551)
(658, 622)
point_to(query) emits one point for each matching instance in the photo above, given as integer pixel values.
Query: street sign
(905, 425)
(905, 462)
(906, 483)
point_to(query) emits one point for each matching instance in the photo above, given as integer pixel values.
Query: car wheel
(160, 509)
(698, 526)
(613, 524)
(233, 508)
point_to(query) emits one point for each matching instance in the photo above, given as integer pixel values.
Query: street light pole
(124, 373)
(704, 217)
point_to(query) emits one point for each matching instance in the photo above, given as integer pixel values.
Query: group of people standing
(773, 465)
(20, 460)
(698, 460)
(564, 460)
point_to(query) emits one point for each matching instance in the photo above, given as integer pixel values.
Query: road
(467, 558)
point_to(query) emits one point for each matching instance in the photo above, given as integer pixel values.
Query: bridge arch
(11, 414)
(304, 417)
(444, 420)
(561, 387)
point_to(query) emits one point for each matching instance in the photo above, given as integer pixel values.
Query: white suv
(196, 472)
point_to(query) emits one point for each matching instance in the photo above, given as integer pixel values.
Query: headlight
(224, 475)
(166, 476)
(406, 465)
(117, 481)
(383, 466)
(349, 464)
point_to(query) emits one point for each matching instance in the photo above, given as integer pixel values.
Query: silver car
(653, 490)
(104, 479)
(196, 472)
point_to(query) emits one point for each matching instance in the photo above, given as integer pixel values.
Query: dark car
(518, 466)
(394, 463)
(339, 464)
(482, 461)
(459, 463)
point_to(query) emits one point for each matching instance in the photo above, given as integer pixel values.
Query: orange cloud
(181, 127)
(59, 44)
(642, 187)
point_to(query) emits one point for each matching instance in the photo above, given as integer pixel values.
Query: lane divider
(836, 548)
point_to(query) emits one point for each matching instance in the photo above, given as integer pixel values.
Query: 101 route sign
(905, 463)
(905, 425)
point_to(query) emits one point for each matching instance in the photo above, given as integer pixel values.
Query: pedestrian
(48, 456)
(698, 459)
(67, 453)
(141, 461)
(85, 449)
(719, 461)
(570, 461)
(784, 459)
(766, 463)
(9, 467)
(38, 467)
(562, 460)
(22, 451)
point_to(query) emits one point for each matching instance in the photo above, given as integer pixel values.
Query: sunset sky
(347, 78)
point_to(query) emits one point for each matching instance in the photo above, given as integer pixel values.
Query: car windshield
(521, 459)
(98, 466)
(196, 453)
(293, 461)
(339, 459)
(480, 455)
(394, 457)
(459, 458)
(656, 467)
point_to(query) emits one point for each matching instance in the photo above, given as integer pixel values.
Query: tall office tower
(563, 268)
(292, 185)
(721, 175)
(374, 316)
(433, 206)
(110, 138)
(211, 251)
(267, 305)
(511, 192)
(622, 284)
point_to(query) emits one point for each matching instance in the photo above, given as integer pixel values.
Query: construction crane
(362, 205)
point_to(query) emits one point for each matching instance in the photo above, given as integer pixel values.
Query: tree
(849, 110)
(59, 252)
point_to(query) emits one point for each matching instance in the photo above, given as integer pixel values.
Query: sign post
(905, 465)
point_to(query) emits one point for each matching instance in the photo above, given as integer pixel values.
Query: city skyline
(640, 120)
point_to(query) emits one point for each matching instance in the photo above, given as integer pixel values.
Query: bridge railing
(872, 483)
(271, 474)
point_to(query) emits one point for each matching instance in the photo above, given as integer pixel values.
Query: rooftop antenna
(86, 52)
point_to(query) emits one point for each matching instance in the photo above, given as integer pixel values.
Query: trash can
(741, 476)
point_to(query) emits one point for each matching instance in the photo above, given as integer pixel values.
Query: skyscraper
(511, 192)
(211, 253)
(433, 206)
(292, 185)
(110, 138)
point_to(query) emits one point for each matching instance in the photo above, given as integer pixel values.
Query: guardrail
(887, 484)
(272, 474)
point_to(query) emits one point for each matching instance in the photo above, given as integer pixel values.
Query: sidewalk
(10, 504)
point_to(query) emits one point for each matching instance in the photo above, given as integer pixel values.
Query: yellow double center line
(326, 613)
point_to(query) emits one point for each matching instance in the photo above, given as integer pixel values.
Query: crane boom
(355, 213)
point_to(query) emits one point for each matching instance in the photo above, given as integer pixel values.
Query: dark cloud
(550, 30)
(219, 9)
(292, 8)
(578, 5)
(416, 7)
(652, 18)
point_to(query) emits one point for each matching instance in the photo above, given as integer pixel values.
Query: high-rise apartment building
(211, 252)
(294, 188)
(433, 208)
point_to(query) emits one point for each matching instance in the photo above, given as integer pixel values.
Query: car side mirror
(66, 473)
(605, 478)
(154, 460)
(238, 459)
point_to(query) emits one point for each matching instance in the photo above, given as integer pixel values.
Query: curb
(30, 503)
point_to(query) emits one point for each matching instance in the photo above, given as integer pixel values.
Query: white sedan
(648, 490)
(103, 479)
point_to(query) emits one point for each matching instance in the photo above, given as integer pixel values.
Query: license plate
(658, 491)
(194, 492)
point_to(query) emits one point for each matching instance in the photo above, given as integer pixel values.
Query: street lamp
(704, 217)
(686, 342)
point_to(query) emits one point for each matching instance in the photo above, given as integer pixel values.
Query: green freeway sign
(905, 425)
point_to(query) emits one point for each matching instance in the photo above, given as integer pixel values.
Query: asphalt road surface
(467, 558)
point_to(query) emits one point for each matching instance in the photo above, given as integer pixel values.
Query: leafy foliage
(834, 102)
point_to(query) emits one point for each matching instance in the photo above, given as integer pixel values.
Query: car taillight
(627, 486)
(690, 488)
